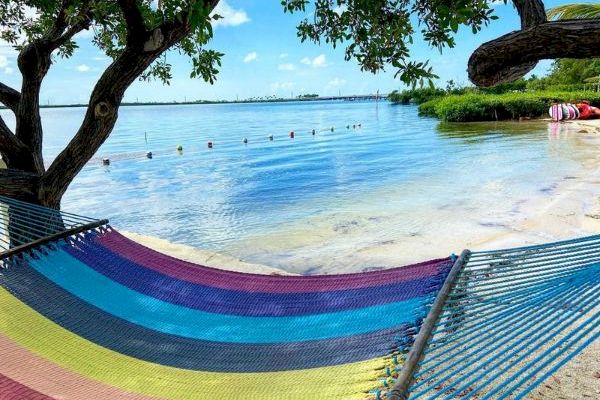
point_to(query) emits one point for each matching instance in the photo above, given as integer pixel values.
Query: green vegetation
(494, 107)
(574, 11)
(416, 96)
(569, 80)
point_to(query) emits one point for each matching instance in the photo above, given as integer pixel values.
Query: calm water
(316, 203)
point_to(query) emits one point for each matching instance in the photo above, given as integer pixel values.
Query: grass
(493, 107)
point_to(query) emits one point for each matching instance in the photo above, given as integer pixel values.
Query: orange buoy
(292, 134)
(210, 145)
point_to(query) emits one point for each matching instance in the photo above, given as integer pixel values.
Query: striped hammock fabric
(99, 316)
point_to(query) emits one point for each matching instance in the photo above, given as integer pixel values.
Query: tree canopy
(137, 35)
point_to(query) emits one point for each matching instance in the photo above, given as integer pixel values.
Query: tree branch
(8, 141)
(104, 102)
(13, 150)
(506, 58)
(532, 13)
(136, 29)
(9, 97)
(60, 22)
(60, 36)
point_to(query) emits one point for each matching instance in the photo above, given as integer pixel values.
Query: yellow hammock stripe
(49, 340)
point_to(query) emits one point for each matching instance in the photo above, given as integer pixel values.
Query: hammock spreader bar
(25, 226)
(400, 390)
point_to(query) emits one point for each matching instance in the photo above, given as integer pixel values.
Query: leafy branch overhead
(113, 25)
(378, 33)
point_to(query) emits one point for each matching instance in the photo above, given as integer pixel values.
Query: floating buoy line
(106, 161)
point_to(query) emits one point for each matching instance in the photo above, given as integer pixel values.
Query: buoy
(313, 132)
(179, 147)
(210, 145)
(270, 137)
(149, 154)
(105, 161)
(292, 134)
(245, 140)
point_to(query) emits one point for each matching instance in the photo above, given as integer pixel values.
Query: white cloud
(250, 57)
(83, 68)
(283, 55)
(318, 61)
(337, 82)
(231, 16)
(275, 86)
(286, 67)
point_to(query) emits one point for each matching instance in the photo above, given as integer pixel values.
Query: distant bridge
(353, 97)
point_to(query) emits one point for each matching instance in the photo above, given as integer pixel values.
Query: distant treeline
(307, 97)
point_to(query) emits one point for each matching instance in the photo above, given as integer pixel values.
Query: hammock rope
(513, 318)
(87, 313)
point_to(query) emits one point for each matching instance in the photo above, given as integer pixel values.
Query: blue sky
(263, 57)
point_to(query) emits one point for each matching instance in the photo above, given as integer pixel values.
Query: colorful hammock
(87, 313)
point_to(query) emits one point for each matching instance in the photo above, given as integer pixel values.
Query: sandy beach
(572, 210)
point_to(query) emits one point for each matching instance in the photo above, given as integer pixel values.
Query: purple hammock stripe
(254, 283)
(122, 336)
(224, 301)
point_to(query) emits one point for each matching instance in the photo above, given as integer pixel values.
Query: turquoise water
(331, 201)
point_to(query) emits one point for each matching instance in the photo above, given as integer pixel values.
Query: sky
(263, 57)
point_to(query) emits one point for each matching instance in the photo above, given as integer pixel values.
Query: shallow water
(339, 200)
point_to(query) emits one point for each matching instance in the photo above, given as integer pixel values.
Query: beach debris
(179, 147)
(149, 154)
(292, 134)
(245, 140)
(105, 161)
(210, 145)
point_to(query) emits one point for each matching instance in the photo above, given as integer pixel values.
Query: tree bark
(513, 55)
(20, 185)
(33, 62)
